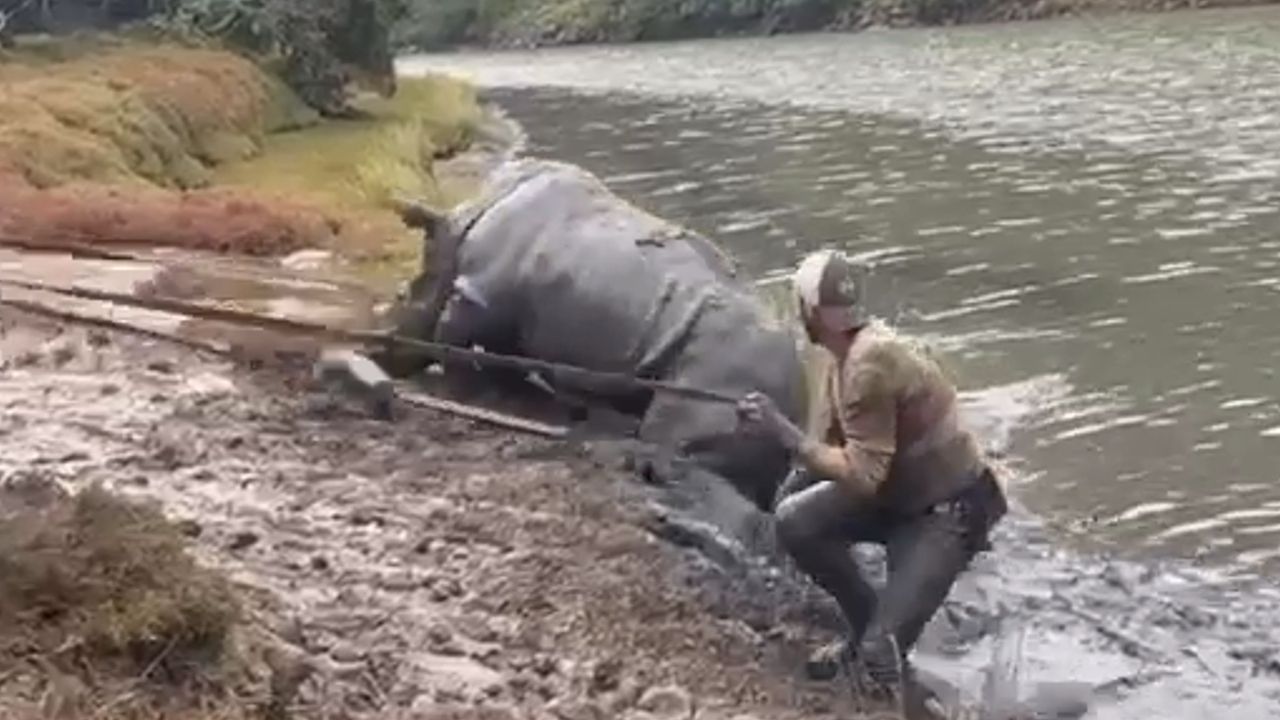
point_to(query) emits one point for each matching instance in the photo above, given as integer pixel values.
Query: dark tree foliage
(435, 23)
(318, 46)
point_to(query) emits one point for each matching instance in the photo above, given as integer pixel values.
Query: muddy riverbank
(420, 565)
(432, 567)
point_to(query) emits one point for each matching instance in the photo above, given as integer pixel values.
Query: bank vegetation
(259, 127)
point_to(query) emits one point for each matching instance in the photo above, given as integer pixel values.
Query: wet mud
(421, 566)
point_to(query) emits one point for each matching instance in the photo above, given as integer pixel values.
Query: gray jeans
(817, 524)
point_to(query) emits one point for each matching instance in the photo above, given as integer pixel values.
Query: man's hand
(759, 409)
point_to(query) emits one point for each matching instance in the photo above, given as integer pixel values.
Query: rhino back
(594, 280)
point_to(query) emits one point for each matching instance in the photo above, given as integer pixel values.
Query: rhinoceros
(547, 263)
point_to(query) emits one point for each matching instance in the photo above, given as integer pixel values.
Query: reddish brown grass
(222, 220)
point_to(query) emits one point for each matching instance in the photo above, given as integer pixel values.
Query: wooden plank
(412, 397)
(200, 261)
(493, 417)
(74, 249)
(107, 324)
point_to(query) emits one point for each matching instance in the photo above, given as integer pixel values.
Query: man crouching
(893, 466)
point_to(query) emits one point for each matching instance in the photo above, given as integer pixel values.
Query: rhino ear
(417, 215)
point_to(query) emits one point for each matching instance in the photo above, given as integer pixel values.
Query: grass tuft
(104, 613)
(136, 114)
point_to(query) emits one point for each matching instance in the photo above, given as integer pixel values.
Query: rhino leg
(708, 435)
(724, 355)
(465, 324)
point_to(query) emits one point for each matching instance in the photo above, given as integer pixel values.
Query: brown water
(1084, 213)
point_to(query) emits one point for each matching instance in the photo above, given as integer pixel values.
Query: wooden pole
(405, 394)
(561, 372)
(472, 412)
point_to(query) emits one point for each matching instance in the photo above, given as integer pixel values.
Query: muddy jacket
(548, 263)
(890, 406)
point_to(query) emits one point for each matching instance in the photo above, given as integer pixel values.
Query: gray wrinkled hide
(571, 273)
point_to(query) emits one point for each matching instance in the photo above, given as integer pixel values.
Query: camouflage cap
(827, 279)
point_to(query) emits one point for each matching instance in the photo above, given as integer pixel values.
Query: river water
(1083, 213)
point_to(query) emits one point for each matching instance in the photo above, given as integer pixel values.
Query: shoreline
(505, 137)
(699, 113)
(1122, 610)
